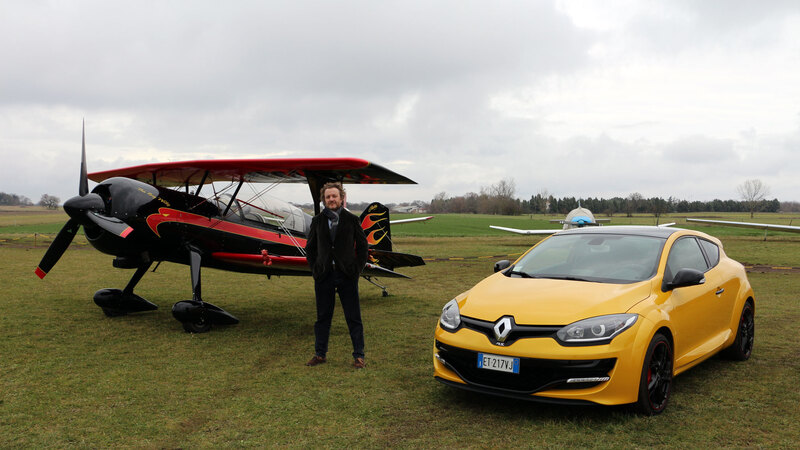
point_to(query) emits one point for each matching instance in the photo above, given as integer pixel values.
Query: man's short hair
(332, 184)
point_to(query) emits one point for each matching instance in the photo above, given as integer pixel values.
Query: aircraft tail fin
(375, 222)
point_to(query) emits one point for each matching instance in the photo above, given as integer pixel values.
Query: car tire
(655, 382)
(742, 346)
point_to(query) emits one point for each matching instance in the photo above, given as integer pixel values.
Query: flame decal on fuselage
(372, 240)
(368, 222)
(168, 215)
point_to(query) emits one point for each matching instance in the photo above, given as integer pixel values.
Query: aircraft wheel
(113, 312)
(385, 294)
(201, 326)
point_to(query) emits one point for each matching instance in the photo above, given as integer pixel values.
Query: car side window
(685, 254)
(712, 251)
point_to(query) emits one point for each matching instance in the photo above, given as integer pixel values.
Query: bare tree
(49, 201)
(752, 192)
(542, 200)
(632, 203)
(499, 198)
(504, 188)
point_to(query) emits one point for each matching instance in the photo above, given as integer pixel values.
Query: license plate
(497, 362)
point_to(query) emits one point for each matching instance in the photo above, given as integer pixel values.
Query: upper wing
(758, 226)
(415, 219)
(514, 230)
(290, 170)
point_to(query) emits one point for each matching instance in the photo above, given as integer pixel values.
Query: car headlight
(451, 317)
(597, 330)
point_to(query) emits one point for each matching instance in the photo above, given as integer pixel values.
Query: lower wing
(514, 230)
(757, 226)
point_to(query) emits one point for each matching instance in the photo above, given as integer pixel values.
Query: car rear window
(711, 250)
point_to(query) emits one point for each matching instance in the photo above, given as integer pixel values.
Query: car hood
(538, 301)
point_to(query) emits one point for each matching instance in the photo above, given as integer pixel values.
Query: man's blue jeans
(325, 291)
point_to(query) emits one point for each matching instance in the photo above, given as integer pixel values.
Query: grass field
(69, 376)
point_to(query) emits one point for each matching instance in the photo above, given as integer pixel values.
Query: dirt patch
(764, 268)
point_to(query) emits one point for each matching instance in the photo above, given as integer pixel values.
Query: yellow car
(604, 315)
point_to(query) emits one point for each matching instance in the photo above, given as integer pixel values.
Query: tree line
(499, 199)
(48, 201)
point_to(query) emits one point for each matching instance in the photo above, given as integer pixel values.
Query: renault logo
(501, 329)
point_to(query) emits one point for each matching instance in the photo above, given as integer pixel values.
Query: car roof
(651, 231)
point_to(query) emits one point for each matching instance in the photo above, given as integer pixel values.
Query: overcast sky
(582, 98)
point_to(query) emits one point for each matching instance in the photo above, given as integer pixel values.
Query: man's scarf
(333, 217)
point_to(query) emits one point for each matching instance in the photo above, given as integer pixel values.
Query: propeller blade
(110, 224)
(58, 247)
(83, 187)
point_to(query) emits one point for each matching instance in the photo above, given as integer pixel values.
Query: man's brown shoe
(316, 360)
(359, 363)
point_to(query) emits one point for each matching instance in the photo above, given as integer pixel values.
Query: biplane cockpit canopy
(266, 209)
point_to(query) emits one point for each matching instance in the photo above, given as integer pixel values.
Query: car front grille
(534, 374)
(517, 331)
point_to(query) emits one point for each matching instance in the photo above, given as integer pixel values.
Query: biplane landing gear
(384, 292)
(195, 315)
(116, 302)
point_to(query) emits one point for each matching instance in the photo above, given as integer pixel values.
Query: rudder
(375, 222)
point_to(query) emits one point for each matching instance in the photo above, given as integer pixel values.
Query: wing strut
(235, 193)
(200, 186)
(314, 184)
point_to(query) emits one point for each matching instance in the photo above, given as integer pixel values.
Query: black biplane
(154, 213)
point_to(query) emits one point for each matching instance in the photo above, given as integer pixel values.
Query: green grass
(456, 225)
(69, 376)
(21, 223)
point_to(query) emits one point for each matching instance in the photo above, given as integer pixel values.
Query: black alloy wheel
(742, 346)
(656, 380)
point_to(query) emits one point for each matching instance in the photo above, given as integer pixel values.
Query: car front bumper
(604, 374)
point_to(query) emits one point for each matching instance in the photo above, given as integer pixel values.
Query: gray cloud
(410, 83)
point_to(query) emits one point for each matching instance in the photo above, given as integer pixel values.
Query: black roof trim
(652, 231)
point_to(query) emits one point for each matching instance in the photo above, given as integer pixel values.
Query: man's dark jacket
(349, 250)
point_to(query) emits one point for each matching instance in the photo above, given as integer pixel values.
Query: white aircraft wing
(514, 230)
(666, 224)
(415, 219)
(758, 226)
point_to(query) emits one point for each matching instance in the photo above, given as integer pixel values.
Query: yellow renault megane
(604, 315)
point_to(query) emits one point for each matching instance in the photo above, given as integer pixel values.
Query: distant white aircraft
(577, 218)
(758, 226)
(415, 219)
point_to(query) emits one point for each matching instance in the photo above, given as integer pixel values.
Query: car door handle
(720, 291)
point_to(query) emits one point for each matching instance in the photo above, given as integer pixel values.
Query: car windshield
(605, 258)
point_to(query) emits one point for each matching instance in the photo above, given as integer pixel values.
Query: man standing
(337, 252)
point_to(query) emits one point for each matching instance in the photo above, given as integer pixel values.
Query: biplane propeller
(146, 214)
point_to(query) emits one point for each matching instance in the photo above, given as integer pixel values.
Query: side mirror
(501, 265)
(684, 277)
